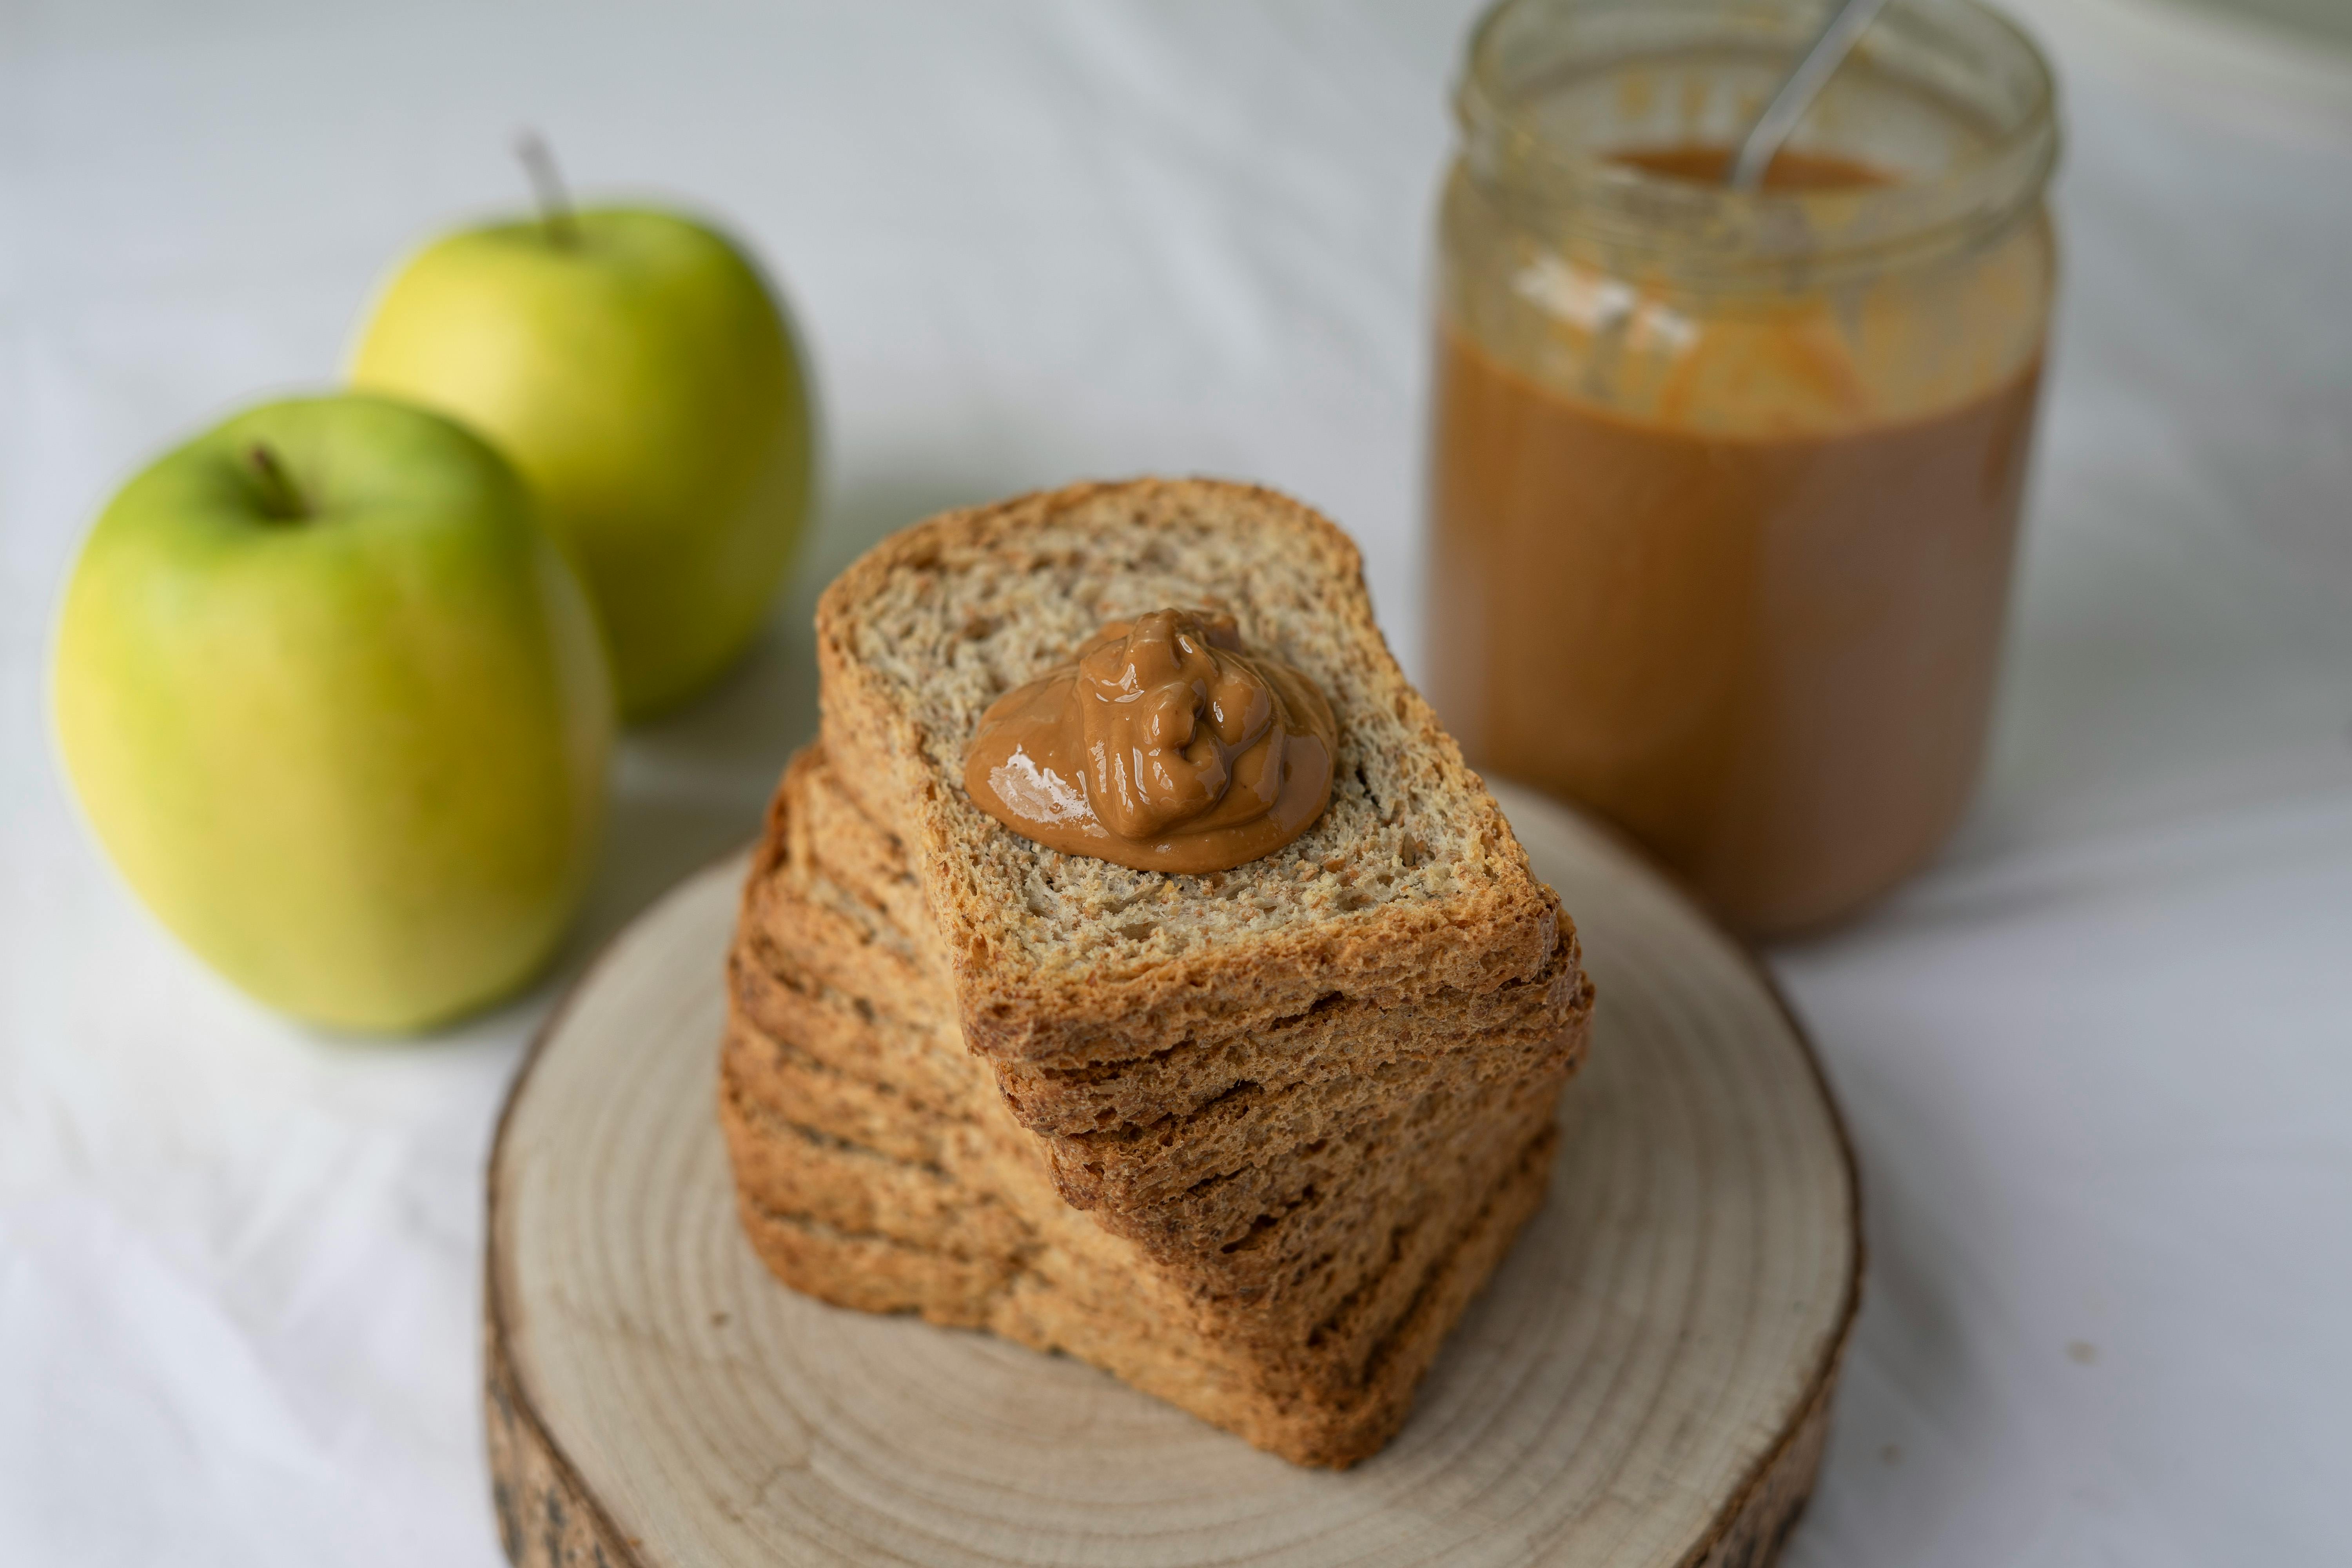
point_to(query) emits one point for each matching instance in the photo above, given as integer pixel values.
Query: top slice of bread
(1411, 888)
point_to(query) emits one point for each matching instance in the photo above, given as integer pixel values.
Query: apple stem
(281, 498)
(555, 214)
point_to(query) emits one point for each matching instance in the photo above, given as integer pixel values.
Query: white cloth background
(2098, 1062)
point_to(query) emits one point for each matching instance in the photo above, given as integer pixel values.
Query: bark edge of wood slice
(1647, 1381)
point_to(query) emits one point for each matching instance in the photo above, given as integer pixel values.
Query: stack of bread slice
(1250, 1140)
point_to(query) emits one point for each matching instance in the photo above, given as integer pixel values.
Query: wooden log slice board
(1645, 1383)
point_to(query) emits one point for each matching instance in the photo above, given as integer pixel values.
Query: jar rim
(1984, 187)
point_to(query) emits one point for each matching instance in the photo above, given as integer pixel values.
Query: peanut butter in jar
(1725, 486)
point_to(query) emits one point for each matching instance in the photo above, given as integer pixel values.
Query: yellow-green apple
(643, 377)
(337, 707)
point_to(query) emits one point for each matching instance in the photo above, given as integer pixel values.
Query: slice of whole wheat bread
(1411, 884)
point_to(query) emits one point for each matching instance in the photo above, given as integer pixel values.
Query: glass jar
(1724, 486)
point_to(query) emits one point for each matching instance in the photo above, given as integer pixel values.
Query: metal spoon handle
(1820, 61)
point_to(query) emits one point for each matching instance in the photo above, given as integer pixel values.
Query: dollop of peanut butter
(1164, 745)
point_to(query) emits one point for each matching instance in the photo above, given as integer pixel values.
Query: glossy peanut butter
(1743, 596)
(1165, 746)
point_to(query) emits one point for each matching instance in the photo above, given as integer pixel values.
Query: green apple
(643, 377)
(339, 710)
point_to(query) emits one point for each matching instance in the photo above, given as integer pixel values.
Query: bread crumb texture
(1412, 858)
